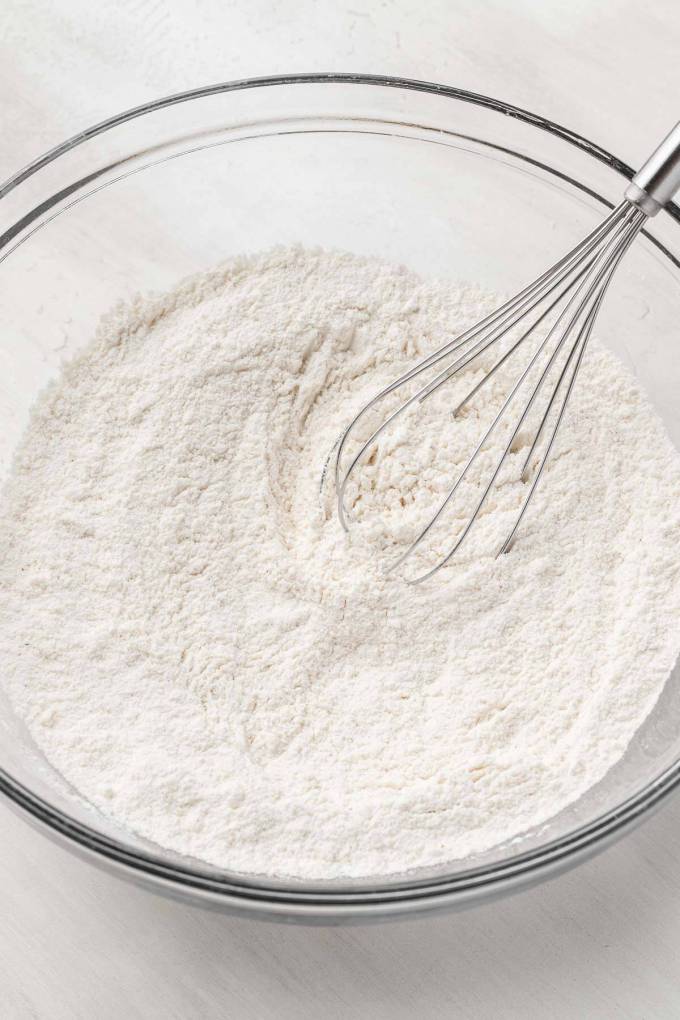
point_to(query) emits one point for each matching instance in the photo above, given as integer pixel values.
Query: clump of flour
(201, 651)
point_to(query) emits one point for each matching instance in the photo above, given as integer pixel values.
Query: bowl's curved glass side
(447, 187)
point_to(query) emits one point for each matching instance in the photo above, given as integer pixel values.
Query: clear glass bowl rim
(371, 897)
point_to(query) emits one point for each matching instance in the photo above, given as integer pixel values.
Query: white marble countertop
(602, 941)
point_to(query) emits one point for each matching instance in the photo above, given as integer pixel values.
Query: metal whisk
(571, 291)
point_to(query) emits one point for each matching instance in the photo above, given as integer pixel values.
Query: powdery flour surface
(206, 657)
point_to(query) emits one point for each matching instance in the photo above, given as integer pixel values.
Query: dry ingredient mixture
(201, 651)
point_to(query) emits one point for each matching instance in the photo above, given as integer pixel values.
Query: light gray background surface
(600, 942)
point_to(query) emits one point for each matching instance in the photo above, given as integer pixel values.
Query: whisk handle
(658, 179)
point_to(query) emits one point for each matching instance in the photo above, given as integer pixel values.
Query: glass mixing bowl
(450, 183)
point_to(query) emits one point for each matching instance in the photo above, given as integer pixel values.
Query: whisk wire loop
(572, 291)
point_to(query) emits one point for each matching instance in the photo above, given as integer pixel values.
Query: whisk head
(551, 321)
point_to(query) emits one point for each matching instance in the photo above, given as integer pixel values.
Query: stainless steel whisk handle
(658, 179)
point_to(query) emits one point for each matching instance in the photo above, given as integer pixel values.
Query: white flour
(198, 648)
